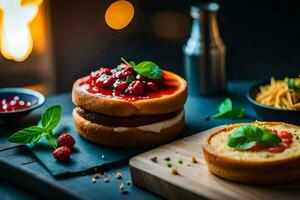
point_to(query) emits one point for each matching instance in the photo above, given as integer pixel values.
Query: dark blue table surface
(196, 109)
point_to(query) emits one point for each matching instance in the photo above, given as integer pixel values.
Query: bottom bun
(127, 136)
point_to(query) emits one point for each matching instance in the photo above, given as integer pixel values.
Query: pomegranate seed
(135, 88)
(151, 86)
(285, 135)
(120, 85)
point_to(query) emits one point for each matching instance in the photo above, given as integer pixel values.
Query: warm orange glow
(16, 38)
(119, 14)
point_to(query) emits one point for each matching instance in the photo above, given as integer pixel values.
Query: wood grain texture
(194, 180)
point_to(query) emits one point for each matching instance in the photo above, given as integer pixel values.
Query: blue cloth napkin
(85, 154)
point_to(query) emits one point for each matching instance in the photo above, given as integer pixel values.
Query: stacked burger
(130, 105)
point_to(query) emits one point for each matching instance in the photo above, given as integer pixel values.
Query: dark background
(261, 37)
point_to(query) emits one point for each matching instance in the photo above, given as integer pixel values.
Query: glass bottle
(204, 53)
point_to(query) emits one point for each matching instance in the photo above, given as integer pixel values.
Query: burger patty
(130, 121)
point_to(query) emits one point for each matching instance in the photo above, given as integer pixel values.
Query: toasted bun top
(119, 107)
(216, 144)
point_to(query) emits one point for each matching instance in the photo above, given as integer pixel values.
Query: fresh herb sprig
(245, 137)
(33, 134)
(227, 111)
(292, 85)
(147, 69)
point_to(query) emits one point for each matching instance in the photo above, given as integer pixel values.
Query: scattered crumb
(102, 156)
(97, 175)
(125, 192)
(128, 182)
(175, 171)
(176, 152)
(180, 161)
(121, 186)
(118, 175)
(106, 180)
(188, 165)
(194, 160)
(169, 165)
(93, 180)
(154, 159)
(167, 158)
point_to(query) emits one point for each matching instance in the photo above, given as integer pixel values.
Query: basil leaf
(244, 137)
(235, 113)
(51, 140)
(245, 145)
(51, 117)
(129, 79)
(226, 105)
(132, 64)
(27, 135)
(292, 85)
(268, 138)
(148, 69)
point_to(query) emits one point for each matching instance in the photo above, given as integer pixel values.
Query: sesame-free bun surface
(130, 137)
(260, 167)
(120, 107)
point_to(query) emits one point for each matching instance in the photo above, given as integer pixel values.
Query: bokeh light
(119, 14)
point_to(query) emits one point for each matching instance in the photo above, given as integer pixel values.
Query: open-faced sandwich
(130, 105)
(259, 152)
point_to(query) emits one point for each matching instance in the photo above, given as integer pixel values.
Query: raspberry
(140, 77)
(120, 85)
(104, 70)
(135, 88)
(62, 154)
(151, 86)
(123, 74)
(95, 75)
(104, 81)
(65, 139)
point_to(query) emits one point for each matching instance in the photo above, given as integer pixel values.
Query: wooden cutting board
(194, 180)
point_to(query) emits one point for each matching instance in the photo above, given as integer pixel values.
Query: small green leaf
(235, 113)
(129, 79)
(292, 84)
(51, 140)
(132, 64)
(226, 105)
(29, 135)
(149, 69)
(245, 137)
(268, 138)
(51, 117)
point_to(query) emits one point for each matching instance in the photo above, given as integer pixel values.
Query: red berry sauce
(286, 138)
(124, 83)
(12, 104)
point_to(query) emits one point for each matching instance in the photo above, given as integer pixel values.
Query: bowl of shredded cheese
(277, 99)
